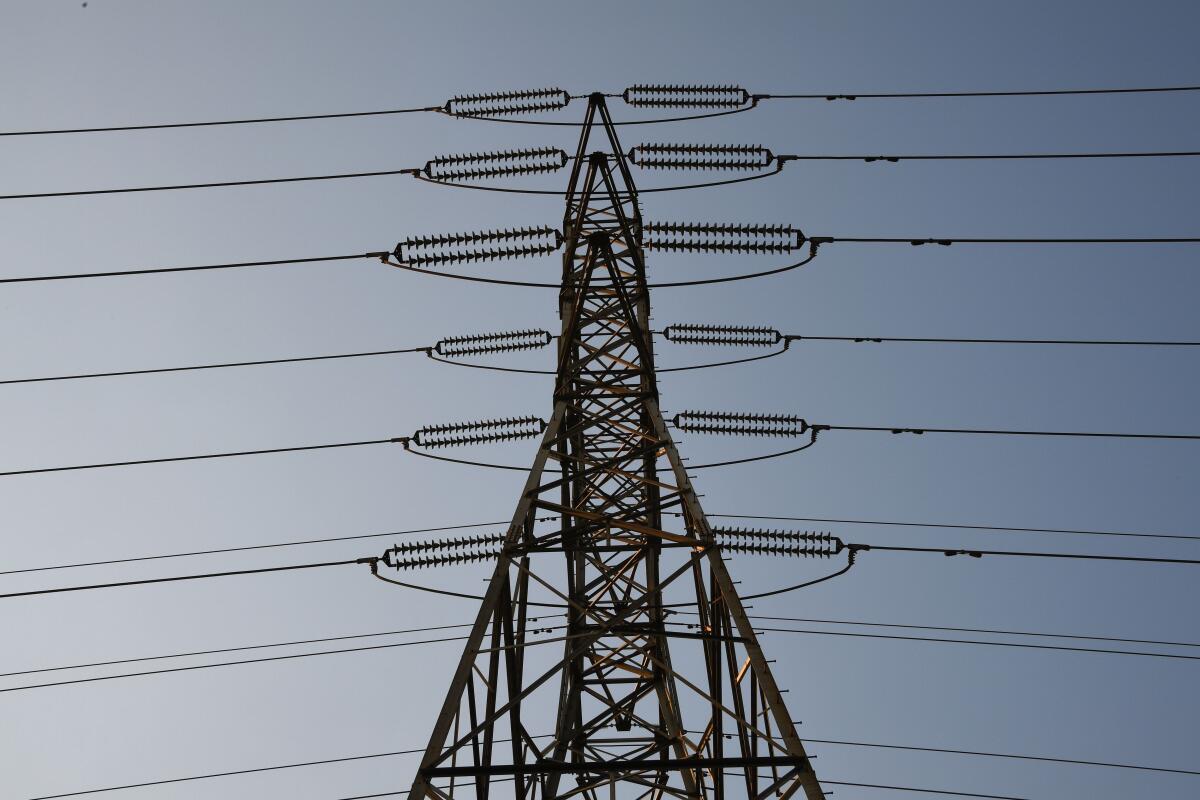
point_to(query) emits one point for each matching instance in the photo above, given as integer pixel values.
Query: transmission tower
(601, 709)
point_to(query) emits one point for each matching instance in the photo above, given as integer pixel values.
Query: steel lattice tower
(630, 721)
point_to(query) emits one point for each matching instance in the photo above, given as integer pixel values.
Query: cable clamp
(971, 553)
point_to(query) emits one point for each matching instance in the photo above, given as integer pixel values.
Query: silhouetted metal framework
(628, 719)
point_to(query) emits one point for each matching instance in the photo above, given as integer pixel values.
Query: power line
(972, 630)
(234, 649)
(784, 425)
(233, 663)
(923, 791)
(162, 270)
(145, 581)
(251, 547)
(860, 339)
(171, 459)
(212, 185)
(1028, 554)
(994, 528)
(946, 241)
(387, 112)
(991, 156)
(1018, 93)
(327, 540)
(401, 440)
(232, 772)
(1048, 759)
(755, 617)
(983, 643)
(193, 367)
(788, 337)
(247, 121)
(990, 432)
(840, 742)
(411, 170)
(815, 240)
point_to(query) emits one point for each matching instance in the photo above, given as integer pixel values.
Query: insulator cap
(485, 343)
(739, 424)
(776, 536)
(721, 237)
(738, 335)
(502, 163)
(399, 562)
(464, 433)
(683, 96)
(445, 248)
(434, 545)
(801, 551)
(520, 102)
(701, 156)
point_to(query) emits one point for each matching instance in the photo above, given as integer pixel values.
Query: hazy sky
(111, 63)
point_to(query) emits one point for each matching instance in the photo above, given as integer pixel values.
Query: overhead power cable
(209, 185)
(947, 241)
(708, 329)
(836, 742)
(990, 528)
(266, 659)
(791, 426)
(994, 156)
(174, 578)
(684, 421)
(989, 432)
(1024, 554)
(1016, 93)
(194, 367)
(948, 629)
(447, 108)
(815, 240)
(753, 617)
(985, 643)
(220, 650)
(433, 436)
(213, 123)
(172, 459)
(412, 170)
(245, 548)
(534, 631)
(690, 333)
(163, 270)
(327, 540)
(929, 340)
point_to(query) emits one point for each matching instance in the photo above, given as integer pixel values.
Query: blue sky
(128, 62)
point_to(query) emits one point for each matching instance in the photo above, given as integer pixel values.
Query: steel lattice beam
(625, 720)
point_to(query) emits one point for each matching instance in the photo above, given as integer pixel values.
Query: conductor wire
(146, 581)
(214, 123)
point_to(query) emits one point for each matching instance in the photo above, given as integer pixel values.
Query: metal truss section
(619, 701)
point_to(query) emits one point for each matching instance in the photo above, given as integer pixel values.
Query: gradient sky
(111, 63)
